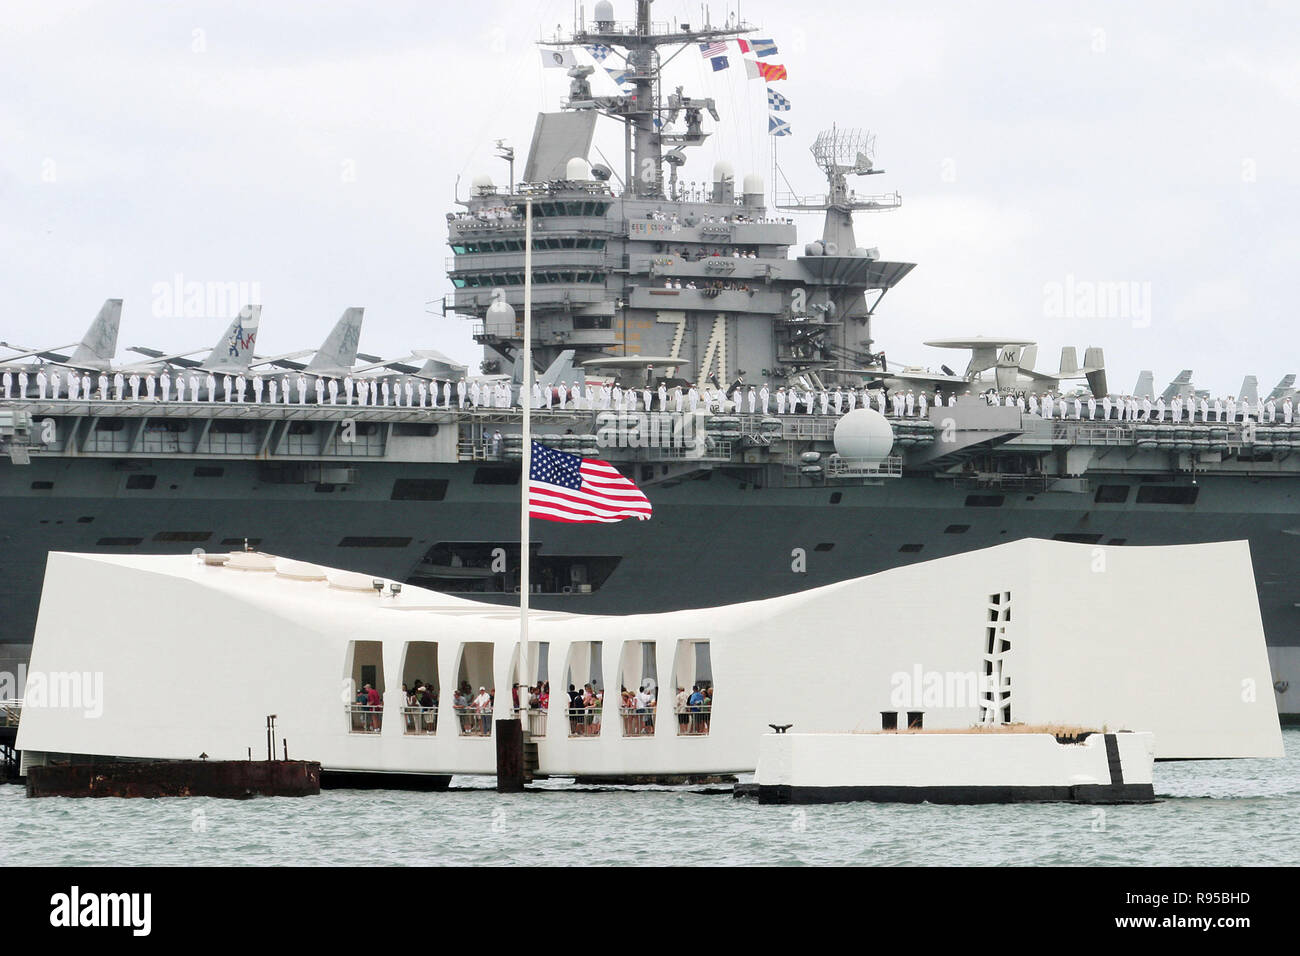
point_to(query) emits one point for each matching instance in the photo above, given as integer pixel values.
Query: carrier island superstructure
(646, 281)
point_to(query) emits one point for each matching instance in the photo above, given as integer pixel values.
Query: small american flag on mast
(564, 487)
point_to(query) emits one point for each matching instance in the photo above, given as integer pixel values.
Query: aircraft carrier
(639, 279)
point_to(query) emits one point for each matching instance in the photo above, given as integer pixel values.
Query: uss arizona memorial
(195, 652)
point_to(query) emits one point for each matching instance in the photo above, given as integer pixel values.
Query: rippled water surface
(1211, 812)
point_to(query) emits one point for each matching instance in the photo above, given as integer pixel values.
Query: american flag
(710, 50)
(564, 487)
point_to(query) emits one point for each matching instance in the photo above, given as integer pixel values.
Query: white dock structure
(193, 652)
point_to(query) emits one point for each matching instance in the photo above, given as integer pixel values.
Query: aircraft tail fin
(562, 371)
(234, 350)
(1179, 387)
(99, 344)
(1283, 388)
(1145, 387)
(1249, 390)
(339, 350)
(1069, 361)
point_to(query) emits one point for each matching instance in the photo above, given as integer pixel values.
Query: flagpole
(525, 400)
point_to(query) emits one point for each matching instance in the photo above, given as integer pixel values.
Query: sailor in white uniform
(285, 393)
(42, 384)
(1092, 407)
(1232, 409)
(1176, 409)
(103, 387)
(333, 389)
(119, 386)
(910, 402)
(74, 386)
(384, 392)
(851, 396)
(1288, 409)
(8, 382)
(1205, 409)
(165, 384)
(272, 388)
(55, 381)
(409, 388)
(149, 386)
(446, 394)
(241, 384)
(302, 389)
(212, 388)
(180, 387)
(227, 389)
(921, 402)
(258, 386)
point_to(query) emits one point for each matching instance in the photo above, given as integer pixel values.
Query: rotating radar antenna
(840, 151)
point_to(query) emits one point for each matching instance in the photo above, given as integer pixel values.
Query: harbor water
(1213, 812)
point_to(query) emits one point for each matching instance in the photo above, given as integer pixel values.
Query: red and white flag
(564, 487)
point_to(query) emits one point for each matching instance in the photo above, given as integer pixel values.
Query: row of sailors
(239, 388)
(754, 399)
(1132, 409)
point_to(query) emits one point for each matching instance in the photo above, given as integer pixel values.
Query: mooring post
(510, 756)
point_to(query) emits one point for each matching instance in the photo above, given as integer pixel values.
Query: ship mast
(647, 117)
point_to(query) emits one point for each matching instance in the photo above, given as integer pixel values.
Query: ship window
(117, 542)
(1077, 537)
(300, 428)
(956, 529)
(837, 497)
(1168, 495)
(182, 536)
(362, 541)
(985, 501)
(240, 542)
(223, 427)
(496, 476)
(42, 486)
(825, 546)
(141, 482)
(1111, 494)
(109, 425)
(85, 519)
(419, 489)
(911, 548)
(416, 429)
(208, 471)
(1117, 541)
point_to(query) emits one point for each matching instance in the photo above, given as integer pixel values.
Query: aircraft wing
(922, 378)
(47, 354)
(179, 358)
(283, 360)
(395, 365)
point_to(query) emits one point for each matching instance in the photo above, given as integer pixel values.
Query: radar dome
(723, 172)
(604, 12)
(753, 185)
(815, 248)
(864, 433)
(482, 183)
(501, 310)
(832, 249)
(578, 170)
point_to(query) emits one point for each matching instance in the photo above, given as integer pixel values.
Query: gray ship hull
(714, 539)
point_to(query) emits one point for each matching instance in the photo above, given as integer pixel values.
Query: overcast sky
(311, 151)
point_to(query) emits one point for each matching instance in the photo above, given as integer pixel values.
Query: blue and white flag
(777, 102)
(777, 127)
(599, 52)
(763, 47)
(618, 76)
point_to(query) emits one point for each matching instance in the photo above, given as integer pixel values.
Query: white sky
(1153, 143)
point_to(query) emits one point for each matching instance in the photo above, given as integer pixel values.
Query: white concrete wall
(946, 760)
(1160, 639)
